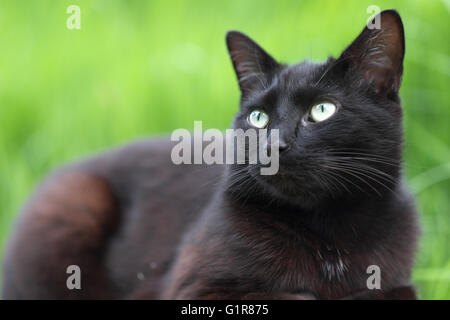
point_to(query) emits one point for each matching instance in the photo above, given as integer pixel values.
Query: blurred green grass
(144, 67)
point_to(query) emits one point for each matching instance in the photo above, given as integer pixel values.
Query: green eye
(258, 119)
(322, 111)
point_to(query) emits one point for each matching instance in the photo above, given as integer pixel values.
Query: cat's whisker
(324, 183)
(369, 169)
(354, 152)
(352, 173)
(361, 172)
(241, 184)
(340, 176)
(237, 180)
(249, 188)
(330, 175)
(362, 166)
(370, 159)
(335, 182)
(363, 152)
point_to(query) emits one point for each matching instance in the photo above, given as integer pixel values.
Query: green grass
(144, 67)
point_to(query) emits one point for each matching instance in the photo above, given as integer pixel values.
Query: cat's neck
(352, 217)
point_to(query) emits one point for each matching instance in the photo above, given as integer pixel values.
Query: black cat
(139, 226)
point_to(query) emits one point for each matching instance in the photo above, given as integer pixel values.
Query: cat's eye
(258, 119)
(322, 111)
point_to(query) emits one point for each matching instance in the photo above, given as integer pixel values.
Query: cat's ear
(251, 63)
(378, 52)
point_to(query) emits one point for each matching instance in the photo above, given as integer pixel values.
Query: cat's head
(340, 122)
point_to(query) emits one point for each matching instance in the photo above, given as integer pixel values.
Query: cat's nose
(283, 145)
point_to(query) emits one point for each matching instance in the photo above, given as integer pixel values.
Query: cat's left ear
(251, 63)
(378, 52)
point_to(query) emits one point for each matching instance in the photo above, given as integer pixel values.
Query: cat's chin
(286, 187)
(293, 190)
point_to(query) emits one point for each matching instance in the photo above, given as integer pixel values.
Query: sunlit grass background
(145, 67)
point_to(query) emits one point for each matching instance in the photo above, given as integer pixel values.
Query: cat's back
(119, 216)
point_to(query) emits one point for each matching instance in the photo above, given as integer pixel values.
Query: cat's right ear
(251, 63)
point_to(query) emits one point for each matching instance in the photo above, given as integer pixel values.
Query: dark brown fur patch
(67, 222)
